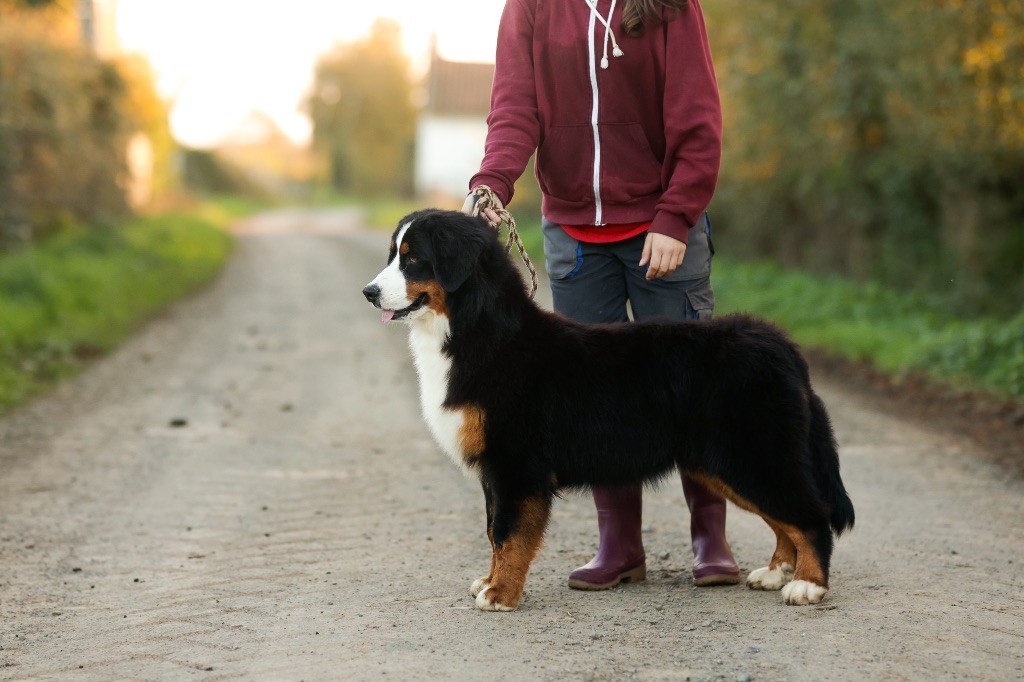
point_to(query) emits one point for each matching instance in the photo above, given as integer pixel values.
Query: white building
(452, 128)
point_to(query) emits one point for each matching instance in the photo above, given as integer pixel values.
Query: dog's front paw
(769, 578)
(801, 592)
(479, 584)
(493, 598)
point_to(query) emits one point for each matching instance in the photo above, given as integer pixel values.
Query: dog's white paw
(478, 585)
(800, 592)
(485, 604)
(770, 578)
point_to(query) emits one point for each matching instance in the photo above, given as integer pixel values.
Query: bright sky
(218, 60)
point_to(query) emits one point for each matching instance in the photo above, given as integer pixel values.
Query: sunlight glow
(220, 60)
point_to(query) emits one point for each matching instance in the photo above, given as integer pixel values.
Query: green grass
(82, 292)
(223, 209)
(895, 332)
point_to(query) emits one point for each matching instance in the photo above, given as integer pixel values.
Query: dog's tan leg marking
(808, 585)
(480, 583)
(784, 556)
(472, 435)
(513, 558)
(779, 570)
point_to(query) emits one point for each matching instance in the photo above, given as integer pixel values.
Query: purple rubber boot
(620, 557)
(713, 563)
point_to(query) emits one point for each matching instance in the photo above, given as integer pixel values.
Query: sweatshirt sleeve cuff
(670, 224)
(500, 187)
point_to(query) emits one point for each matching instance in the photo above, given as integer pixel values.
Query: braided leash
(487, 199)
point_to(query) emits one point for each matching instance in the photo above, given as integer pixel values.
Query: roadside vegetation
(79, 273)
(895, 332)
(881, 142)
(78, 294)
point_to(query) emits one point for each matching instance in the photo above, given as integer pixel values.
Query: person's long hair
(636, 13)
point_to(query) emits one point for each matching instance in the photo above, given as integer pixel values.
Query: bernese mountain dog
(531, 403)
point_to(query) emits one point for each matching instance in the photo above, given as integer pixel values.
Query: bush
(65, 121)
(894, 332)
(80, 293)
(878, 141)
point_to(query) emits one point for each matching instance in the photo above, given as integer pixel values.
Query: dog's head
(433, 253)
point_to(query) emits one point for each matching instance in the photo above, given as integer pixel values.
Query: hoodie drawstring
(609, 32)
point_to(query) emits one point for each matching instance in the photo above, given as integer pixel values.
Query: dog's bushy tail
(825, 455)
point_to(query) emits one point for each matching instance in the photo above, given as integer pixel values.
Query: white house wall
(448, 153)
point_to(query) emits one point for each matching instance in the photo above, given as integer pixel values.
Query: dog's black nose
(372, 293)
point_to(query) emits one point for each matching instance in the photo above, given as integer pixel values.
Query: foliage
(147, 113)
(66, 117)
(61, 136)
(877, 140)
(363, 114)
(895, 332)
(81, 292)
(207, 173)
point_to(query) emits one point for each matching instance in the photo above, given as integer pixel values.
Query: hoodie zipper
(591, 48)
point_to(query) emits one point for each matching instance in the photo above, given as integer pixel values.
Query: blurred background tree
(363, 115)
(878, 141)
(66, 119)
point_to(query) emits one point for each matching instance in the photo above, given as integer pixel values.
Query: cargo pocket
(563, 255)
(697, 262)
(701, 299)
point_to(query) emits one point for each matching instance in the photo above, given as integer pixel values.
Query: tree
(878, 140)
(363, 115)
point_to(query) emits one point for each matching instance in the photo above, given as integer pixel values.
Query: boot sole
(634, 575)
(717, 579)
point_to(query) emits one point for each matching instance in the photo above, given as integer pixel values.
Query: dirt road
(298, 523)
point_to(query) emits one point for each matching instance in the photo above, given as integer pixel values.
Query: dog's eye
(412, 259)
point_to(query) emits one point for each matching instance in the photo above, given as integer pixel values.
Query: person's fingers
(678, 256)
(657, 264)
(492, 217)
(646, 257)
(677, 260)
(467, 205)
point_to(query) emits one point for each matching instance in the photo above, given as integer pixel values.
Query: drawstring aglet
(616, 52)
(604, 62)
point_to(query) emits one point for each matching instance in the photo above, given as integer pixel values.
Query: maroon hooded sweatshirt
(637, 141)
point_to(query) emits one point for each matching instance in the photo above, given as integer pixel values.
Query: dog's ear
(456, 243)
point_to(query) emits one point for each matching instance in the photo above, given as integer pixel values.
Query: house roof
(459, 88)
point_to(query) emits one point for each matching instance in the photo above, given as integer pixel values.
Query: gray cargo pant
(592, 282)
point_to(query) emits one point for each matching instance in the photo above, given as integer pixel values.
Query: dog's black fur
(570, 405)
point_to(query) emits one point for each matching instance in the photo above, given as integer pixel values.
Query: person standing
(620, 103)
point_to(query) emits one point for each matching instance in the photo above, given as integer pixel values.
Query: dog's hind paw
(478, 585)
(800, 592)
(487, 600)
(769, 578)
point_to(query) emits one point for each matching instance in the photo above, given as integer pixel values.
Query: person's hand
(489, 214)
(664, 254)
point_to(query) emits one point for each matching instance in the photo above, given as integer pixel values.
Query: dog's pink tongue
(386, 315)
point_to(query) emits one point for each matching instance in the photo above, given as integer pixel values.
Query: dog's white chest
(448, 426)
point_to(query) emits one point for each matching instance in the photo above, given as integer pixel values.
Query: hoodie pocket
(565, 163)
(629, 168)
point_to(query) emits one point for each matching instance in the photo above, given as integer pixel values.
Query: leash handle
(487, 199)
